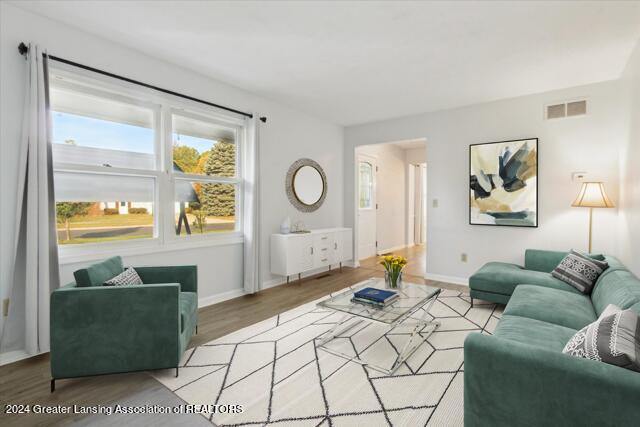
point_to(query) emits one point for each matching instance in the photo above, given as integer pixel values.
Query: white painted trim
(221, 297)
(234, 238)
(14, 356)
(447, 279)
(394, 248)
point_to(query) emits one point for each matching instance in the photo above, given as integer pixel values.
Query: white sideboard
(296, 253)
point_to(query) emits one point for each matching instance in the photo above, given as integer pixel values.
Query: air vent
(566, 109)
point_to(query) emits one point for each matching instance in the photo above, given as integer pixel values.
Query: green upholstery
(489, 296)
(510, 383)
(535, 333)
(519, 376)
(188, 305)
(97, 274)
(111, 329)
(502, 278)
(619, 287)
(546, 261)
(551, 305)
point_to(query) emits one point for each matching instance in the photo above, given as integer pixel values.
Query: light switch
(435, 203)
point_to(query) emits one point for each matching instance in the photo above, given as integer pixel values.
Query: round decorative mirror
(306, 185)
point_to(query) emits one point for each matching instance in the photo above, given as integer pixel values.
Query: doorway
(367, 222)
(390, 201)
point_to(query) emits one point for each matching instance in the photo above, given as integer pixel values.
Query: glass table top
(411, 297)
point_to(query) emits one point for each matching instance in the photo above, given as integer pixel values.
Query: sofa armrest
(186, 275)
(109, 329)
(508, 383)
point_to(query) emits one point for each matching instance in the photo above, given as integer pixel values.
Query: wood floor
(27, 381)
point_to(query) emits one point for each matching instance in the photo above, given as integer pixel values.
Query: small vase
(285, 227)
(390, 283)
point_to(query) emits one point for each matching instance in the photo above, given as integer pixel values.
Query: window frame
(371, 185)
(163, 108)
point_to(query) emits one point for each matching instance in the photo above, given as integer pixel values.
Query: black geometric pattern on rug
(275, 371)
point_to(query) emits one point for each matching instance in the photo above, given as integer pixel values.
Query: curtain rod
(23, 49)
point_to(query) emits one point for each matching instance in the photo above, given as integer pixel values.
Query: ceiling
(355, 62)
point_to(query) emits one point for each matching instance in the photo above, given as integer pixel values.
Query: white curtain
(35, 263)
(251, 206)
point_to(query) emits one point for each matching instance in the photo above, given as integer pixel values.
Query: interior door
(367, 227)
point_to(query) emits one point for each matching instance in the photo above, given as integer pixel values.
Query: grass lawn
(109, 220)
(100, 239)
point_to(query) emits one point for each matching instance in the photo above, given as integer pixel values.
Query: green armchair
(98, 329)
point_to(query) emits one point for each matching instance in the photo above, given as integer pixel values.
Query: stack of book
(374, 297)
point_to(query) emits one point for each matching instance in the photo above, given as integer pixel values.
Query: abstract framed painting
(504, 183)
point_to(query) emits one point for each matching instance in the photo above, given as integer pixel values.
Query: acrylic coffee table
(412, 298)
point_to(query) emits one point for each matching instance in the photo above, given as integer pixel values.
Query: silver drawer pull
(324, 260)
(324, 238)
(335, 246)
(324, 249)
(311, 250)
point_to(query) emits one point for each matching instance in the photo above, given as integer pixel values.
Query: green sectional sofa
(519, 376)
(98, 329)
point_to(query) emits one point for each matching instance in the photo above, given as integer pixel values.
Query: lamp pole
(590, 226)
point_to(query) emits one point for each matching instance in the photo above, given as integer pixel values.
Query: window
(365, 172)
(129, 166)
(207, 149)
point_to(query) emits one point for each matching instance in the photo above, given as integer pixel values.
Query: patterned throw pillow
(580, 271)
(613, 339)
(128, 277)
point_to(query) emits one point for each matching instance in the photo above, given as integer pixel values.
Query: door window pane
(96, 131)
(366, 184)
(204, 207)
(94, 208)
(203, 148)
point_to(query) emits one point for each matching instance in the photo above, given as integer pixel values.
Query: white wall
(589, 143)
(629, 233)
(391, 186)
(288, 135)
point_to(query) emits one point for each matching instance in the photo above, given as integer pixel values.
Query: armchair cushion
(97, 274)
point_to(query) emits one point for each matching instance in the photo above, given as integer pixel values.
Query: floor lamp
(592, 195)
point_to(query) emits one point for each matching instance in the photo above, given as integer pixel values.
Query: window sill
(79, 254)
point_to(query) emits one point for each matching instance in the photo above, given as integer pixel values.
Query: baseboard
(221, 297)
(447, 279)
(394, 248)
(14, 356)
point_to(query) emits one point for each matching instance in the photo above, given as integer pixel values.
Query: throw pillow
(613, 339)
(580, 271)
(128, 277)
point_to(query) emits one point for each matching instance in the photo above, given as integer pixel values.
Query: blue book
(375, 295)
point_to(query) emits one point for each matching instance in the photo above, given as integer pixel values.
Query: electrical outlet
(435, 203)
(5, 307)
(463, 257)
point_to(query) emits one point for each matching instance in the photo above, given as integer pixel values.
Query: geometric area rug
(274, 370)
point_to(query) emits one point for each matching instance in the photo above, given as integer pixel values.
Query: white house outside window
(131, 168)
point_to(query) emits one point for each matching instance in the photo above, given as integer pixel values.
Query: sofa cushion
(619, 287)
(502, 278)
(612, 339)
(535, 333)
(97, 274)
(188, 308)
(579, 271)
(551, 305)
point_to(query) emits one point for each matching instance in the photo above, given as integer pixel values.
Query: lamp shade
(592, 195)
